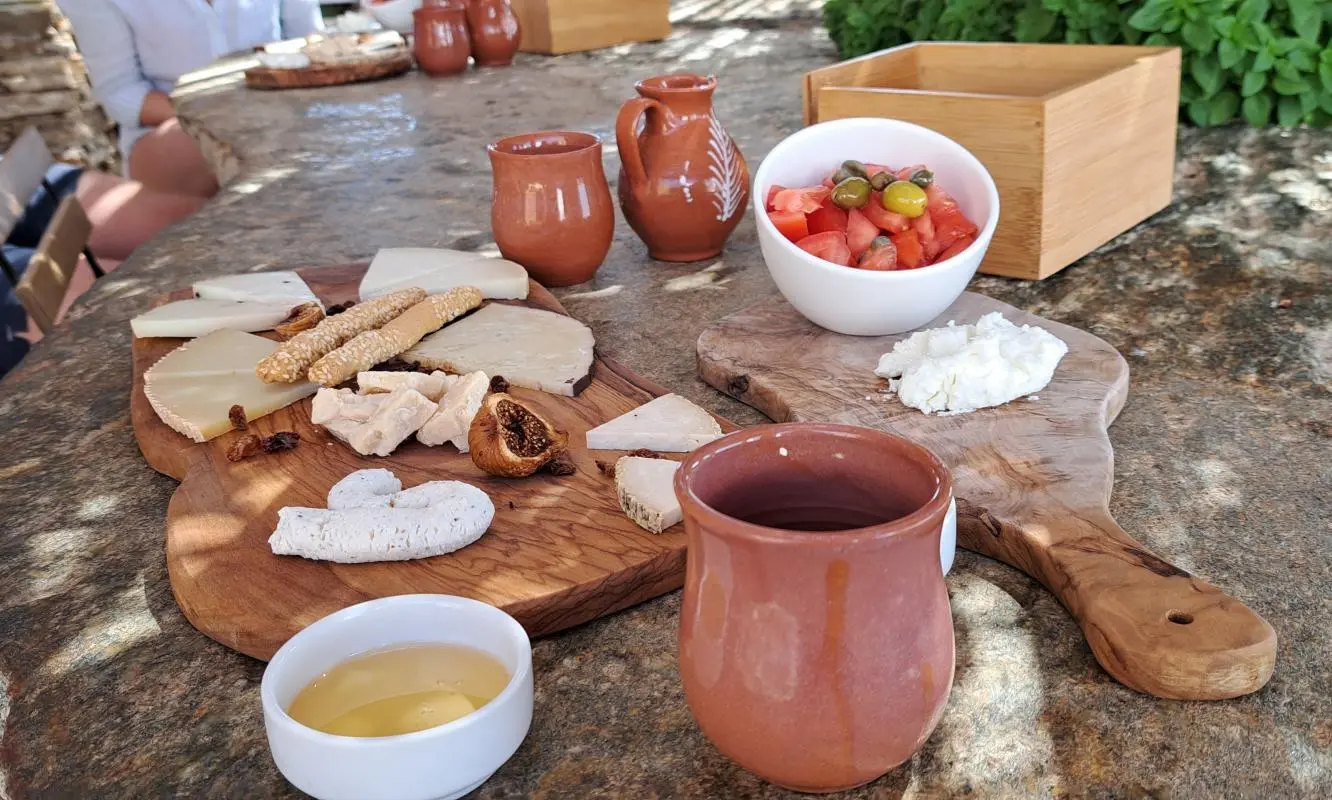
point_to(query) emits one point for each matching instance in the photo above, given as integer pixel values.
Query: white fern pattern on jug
(728, 181)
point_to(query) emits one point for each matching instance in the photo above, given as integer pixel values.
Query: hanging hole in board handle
(1180, 617)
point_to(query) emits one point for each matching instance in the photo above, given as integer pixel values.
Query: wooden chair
(43, 286)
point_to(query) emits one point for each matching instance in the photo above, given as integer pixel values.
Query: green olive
(905, 198)
(851, 193)
(841, 174)
(855, 168)
(881, 180)
(922, 178)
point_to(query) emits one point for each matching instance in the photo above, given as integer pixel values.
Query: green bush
(1256, 59)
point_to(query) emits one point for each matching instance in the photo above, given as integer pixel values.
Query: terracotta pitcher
(683, 182)
(551, 209)
(495, 32)
(439, 38)
(816, 640)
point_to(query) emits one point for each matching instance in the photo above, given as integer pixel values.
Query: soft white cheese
(668, 424)
(960, 368)
(646, 489)
(437, 271)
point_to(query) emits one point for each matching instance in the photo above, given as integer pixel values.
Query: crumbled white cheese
(960, 368)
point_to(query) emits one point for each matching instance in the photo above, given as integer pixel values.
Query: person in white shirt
(136, 50)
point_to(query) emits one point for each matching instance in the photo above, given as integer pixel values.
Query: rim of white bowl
(268, 698)
(982, 238)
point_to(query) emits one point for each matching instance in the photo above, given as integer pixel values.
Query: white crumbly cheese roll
(364, 488)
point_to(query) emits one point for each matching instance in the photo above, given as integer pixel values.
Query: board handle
(1152, 626)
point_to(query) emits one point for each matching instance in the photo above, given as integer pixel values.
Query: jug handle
(626, 137)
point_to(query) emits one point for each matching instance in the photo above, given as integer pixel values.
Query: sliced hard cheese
(454, 417)
(669, 424)
(531, 348)
(193, 387)
(437, 271)
(646, 487)
(433, 385)
(190, 318)
(265, 287)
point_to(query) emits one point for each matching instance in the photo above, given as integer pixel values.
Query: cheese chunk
(531, 348)
(401, 415)
(191, 318)
(454, 417)
(646, 488)
(433, 385)
(265, 287)
(960, 368)
(193, 387)
(437, 271)
(343, 404)
(668, 424)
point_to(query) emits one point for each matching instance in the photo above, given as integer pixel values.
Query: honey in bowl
(400, 690)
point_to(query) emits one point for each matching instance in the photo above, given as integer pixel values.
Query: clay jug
(439, 38)
(495, 32)
(551, 210)
(683, 182)
(816, 639)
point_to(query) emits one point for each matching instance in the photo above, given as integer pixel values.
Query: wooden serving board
(1033, 481)
(560, 551)
(315, 75)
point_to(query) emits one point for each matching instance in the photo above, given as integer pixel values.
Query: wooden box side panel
(895, 67)
(1111, 157)
(1025, 70)
(570, 26)
(1005, 133)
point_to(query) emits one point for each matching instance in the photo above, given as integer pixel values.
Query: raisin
(237, 416)
(280, 441)
(244, 447)
(498, 384)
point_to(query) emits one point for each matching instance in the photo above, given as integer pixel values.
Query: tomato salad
(873, 217)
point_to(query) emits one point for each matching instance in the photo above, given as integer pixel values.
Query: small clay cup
(496, 33)
(816, 639)
(551, 208)
(439, 40)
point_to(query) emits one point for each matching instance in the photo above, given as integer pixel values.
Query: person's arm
(107, 44)
(301, 18)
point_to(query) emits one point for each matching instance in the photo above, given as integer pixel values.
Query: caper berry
(905, 198)
(922, 178)
(841, 174)
(851, 193)
(881, 180)
(855, 168)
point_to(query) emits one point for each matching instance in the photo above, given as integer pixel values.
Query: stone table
(1218, 303)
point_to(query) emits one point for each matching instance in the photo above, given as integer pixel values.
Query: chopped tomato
(910, 254)
(889, 221)
(828, 184)
(806, 200)
(937, 197)
(829, 246)
(791, 224)
(950, 224)
(828, 218)
(924, 228)
(772, 192)
(882, 258)
(874, 169)
(955, 248)
(860, 233)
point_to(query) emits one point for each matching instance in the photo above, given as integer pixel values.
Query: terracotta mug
(816, 639)
(439, 38)
(495, 32)
(551, 208)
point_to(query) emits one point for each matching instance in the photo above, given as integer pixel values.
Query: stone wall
(43, 83)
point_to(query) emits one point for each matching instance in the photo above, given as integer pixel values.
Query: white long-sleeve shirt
(132, 47)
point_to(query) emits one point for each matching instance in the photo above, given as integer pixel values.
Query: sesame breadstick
(293, 358)
(368, 349)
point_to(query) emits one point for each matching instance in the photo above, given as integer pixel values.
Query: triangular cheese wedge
(669, 424)
(284, 286)
(187, 319)
(437, 270)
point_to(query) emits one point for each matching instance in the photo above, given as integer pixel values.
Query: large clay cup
(816, 640)
(551, 208)
(439, 39)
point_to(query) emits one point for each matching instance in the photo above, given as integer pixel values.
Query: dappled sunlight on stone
(253, 183)
(609, 291)
(122, 623)
(710, 277)
(1219, 484)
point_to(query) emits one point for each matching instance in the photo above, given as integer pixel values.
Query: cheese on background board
(646, 489)
(437, 271)
(193, 387)
(668, 424)
(531, 348)
(186, 319)
(265, 287)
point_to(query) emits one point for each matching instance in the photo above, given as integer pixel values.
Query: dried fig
(510, 439)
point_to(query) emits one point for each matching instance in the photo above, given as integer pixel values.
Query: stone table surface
(1219, 304)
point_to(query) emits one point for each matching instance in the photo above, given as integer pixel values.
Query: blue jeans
(18, 250)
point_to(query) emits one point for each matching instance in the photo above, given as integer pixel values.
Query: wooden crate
(570, 26)
(1080, 139)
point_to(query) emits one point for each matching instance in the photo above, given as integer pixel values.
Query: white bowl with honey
(415, 697)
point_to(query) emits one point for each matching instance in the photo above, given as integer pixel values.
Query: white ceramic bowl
(443, 762)
(868, 302)
(396, 15)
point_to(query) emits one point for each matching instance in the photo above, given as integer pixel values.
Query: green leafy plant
(1263, 61)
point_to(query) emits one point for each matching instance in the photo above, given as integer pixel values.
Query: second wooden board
(1033, 481)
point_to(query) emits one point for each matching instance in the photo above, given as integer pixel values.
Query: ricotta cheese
(437, 271)
(646, 489)
(668, 424)
(960, 368)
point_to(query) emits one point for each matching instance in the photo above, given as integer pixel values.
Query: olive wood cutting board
(1033, 481)
(560, 551)
(383, 65)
